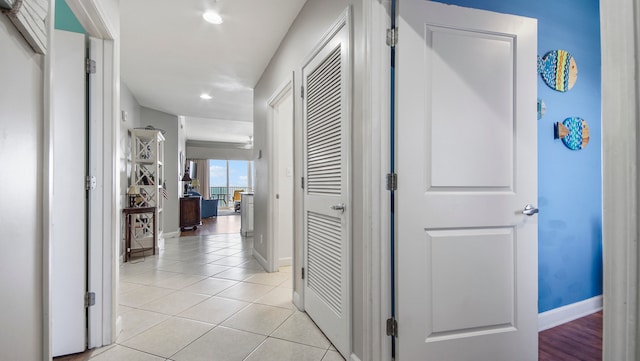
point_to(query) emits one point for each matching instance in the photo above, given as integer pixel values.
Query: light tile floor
(206, 298)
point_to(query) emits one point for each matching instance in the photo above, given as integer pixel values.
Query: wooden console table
(129, 228)
(190, 212)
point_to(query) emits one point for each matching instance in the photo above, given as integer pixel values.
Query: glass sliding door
(218, 181)
(228, 176)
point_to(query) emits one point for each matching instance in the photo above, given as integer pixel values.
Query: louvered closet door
(326, 154)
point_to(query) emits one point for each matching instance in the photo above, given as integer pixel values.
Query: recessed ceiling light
(212, 17)
(205, 96)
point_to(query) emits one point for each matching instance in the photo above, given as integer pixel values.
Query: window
(227, 176)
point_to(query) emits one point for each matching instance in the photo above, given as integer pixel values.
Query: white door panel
(68, 253)
(97, 212)
(280, 130)
(284, 184)
(467, 166)
(326, 146)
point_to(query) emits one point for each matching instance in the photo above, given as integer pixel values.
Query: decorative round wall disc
(558, 69)
(542, 108)
(574, 132)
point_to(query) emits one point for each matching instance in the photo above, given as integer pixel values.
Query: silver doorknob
(529, 210)
(338, 207)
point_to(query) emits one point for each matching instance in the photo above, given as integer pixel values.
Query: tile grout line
(195, 245)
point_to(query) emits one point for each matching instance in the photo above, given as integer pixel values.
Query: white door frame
(47, 186)
(94, 16)
(375, 110)
(273, 245)
(621, 178)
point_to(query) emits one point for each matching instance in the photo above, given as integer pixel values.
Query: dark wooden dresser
(190, 216)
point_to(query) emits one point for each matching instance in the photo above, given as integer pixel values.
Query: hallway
(206, 298)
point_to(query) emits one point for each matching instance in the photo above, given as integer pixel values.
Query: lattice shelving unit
(147, 173)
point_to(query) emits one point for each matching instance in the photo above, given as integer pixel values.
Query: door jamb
(273, 247)
(47, 185)
(376, 89)
(620, 178)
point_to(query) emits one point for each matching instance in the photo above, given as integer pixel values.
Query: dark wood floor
(579, 340)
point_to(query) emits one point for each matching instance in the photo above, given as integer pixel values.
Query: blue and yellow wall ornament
(574, 132)
(558, 69)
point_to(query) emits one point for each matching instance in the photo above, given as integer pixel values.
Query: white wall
(129, 104)
(170, 124)
(21, 243)
(312, 22)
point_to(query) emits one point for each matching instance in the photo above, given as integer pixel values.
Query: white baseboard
(297, 300)
(172, 234)
(260, 259)
(568, 313)
(287, 261)
(354, 357)
(118, 328)
(161, 240)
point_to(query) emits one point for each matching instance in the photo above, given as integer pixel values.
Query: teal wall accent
(65, 19)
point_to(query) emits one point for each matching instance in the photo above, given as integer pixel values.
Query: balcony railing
(225, 194)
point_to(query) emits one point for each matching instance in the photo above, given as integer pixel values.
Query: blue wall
(569, 182)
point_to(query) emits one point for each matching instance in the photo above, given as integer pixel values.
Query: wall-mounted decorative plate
(574, 132)
(558, 69)
(542, 108)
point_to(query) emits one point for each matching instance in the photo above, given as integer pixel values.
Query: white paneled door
(467, 167)
(68, 213)
(326, 187)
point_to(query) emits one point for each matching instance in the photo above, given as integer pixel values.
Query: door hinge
(90, 66)
(392, 327)
(89, 299)
(302, 272)
(392, 37)
(89, 183)
(301, 91)
(392, 181)
(302, 182)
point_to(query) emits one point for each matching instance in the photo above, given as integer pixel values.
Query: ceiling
(170, 56)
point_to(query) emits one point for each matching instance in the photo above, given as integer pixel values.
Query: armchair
(236, 200)
(209, 207)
